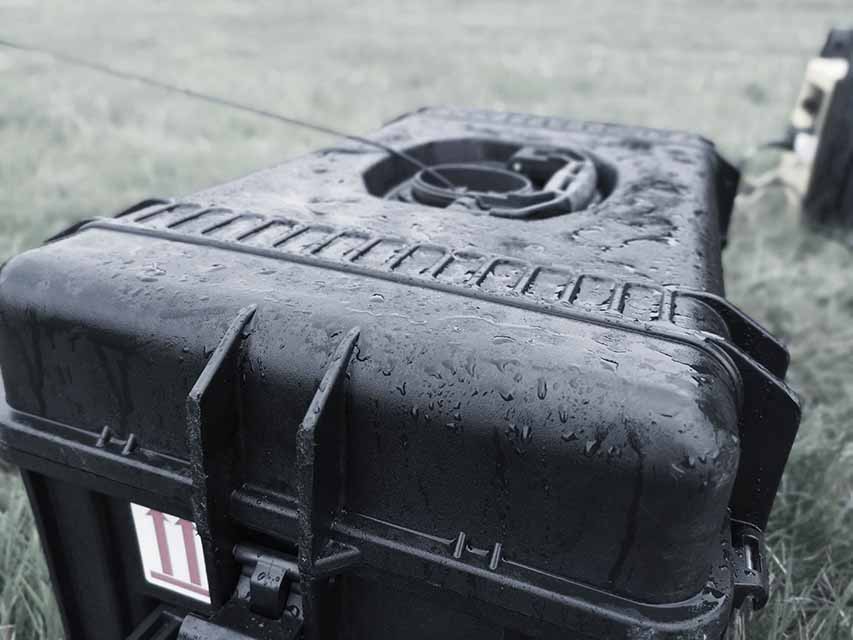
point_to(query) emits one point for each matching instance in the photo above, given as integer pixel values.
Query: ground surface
(76, 144)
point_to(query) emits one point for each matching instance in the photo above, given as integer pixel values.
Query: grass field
(75, 144)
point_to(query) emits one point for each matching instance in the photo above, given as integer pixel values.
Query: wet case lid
(528, 391)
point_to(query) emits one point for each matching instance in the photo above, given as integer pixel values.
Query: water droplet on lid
(568, 436)
(542, 388)
(591, 447)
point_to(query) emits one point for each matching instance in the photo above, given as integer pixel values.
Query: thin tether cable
(218, 100)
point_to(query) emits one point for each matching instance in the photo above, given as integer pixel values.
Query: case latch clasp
(750, 565)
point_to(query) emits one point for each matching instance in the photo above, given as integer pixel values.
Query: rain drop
(591, 447)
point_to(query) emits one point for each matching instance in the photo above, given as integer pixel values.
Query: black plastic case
(829, 195)
(523, 410)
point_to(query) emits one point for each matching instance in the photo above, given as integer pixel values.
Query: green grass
(74, 144)
(798, 283)
(26, 600)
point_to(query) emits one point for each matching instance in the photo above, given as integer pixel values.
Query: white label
(805, 146)
(172, 556)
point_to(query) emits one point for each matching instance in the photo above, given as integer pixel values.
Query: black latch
(750, 565)
(270, 577)
(266, 604)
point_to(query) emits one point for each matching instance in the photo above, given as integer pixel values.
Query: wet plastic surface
(447, 418)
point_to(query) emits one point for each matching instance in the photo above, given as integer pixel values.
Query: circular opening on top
(465, 180)
(474, 178)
